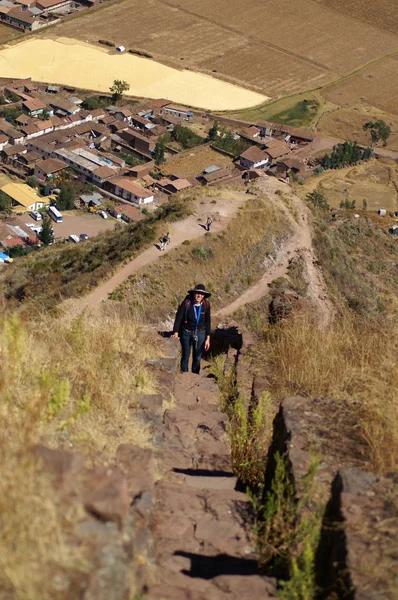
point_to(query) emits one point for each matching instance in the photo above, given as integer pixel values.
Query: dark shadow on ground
(203, 472)
(224, 338)
(208, 567)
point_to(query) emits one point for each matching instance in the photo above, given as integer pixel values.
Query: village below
(273, 473)
(82, 158)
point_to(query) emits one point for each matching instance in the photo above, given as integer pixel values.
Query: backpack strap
(187, 307)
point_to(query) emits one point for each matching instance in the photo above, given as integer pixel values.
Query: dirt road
(300, 242)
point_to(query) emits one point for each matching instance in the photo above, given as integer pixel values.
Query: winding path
(227, 207)
(299, 242)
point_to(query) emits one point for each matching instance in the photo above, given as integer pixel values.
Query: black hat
(199, 289)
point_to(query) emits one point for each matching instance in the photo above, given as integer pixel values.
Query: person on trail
(164, 241)
(209, 222)
(193, 325)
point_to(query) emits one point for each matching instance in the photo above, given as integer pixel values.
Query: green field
(299, 111)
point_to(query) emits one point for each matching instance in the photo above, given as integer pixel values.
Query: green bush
(203, 252)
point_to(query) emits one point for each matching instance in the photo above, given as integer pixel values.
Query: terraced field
(272, 48)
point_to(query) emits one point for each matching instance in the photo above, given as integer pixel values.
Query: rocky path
(299, 243)
(203, 547)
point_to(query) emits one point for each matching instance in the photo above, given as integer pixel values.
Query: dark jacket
(185, 317)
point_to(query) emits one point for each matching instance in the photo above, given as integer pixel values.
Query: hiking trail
(299, 243)
(226, 208)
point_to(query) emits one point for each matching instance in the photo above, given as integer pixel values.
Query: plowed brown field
(274, 47)
(382, 13)
(376, 85)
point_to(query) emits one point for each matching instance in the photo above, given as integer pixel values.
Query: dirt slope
(301, 243)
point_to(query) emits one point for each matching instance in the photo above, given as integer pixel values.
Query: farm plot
(7, 33)
(371, 181)
(310, 32)
(382, 13)
(162, 31)
(376, 85)
(267, 69)
(194, 163)
(183, 40)
(270, 47)
(347, 124)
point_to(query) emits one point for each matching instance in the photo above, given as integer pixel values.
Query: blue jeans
(186, 339)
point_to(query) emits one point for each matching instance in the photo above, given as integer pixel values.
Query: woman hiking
(192, 325)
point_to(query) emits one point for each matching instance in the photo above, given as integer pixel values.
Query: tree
(159, 151)
(345, 154)
(367, 153)
(119, 86)
(186, 137)
(379, 130)
(225, 139)
(213, 132)
(66, 198)
(46, 235)
(5, 203)
(364, 204)
(130, 160)
(91, 103)
(318, 199)
(19, 250)
(33, 182)
(44, 115)
(11, 114)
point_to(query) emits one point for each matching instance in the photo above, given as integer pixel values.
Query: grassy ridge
(63, 271)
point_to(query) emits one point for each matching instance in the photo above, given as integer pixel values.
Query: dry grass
(354, 362)
(347, 124)
(8, 33)
(374, 181)
(193, 163)
(228, 262)
(65, 385)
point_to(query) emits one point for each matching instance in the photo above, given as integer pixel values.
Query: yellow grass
(64, 385)
(353, 362)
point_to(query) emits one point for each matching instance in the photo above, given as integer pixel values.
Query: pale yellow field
(66, 62)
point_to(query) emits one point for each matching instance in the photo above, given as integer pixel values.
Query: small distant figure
(165, 241)
(208, 223)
